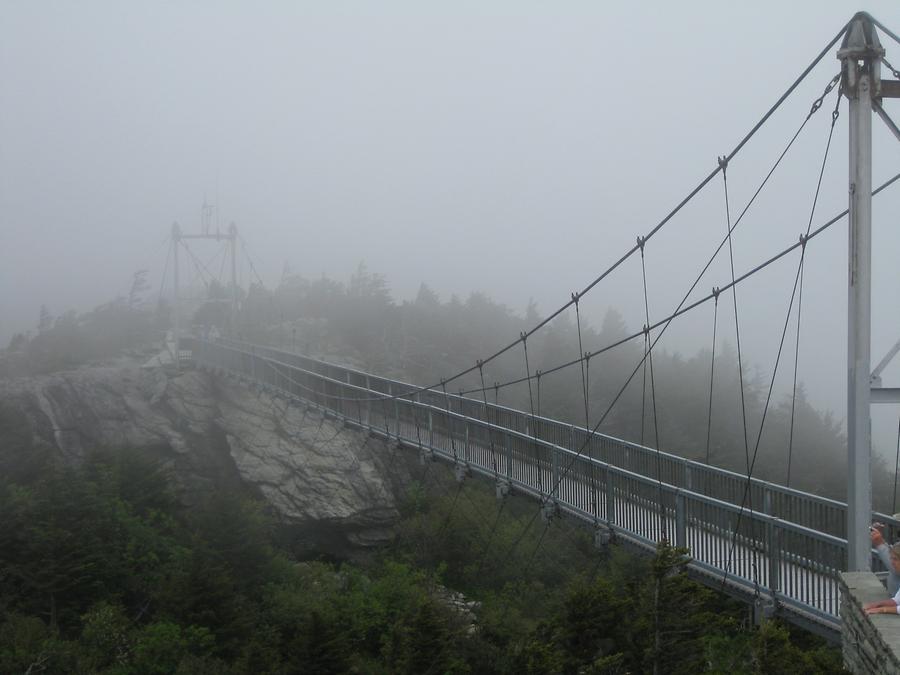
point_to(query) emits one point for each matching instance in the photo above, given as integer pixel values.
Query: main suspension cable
(664, 322)
(887, 30)
(668, 217)
(813, 109)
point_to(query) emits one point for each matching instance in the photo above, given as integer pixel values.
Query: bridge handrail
(490, 426)
(801, 561)
(694, 465)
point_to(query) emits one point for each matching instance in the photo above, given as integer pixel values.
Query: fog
(513, 148)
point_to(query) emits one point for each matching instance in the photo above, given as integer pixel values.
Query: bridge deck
(788, 561)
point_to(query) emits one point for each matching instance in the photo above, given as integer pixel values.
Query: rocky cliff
(336, 488)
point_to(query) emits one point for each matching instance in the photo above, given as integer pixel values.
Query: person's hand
(881, 610)
(877, 537)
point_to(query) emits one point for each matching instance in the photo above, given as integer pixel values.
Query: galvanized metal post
(368, 402)
(610, 498)
(467, 442)
(680, 520)
(508, 456)
(773, 552)
(554, 471)
(860, 56)
(396, 415)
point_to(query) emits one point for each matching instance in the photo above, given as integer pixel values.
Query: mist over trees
(151, 587)
(427, 339)
(71, 339)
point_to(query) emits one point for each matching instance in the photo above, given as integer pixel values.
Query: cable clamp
(646, 330)
(479, 364)
(640, 242)
(894, 71)
(723, 162)
(523, 336)
(803, 239)
(715, 291)
(538, 374)
(587, 357)
(835, 114)
(576, 296)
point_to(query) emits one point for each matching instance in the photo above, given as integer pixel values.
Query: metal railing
(789, 549)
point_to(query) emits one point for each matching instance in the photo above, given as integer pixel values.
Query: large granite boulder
(335, 488)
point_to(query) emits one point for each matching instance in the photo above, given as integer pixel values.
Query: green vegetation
(71, 339)
(101, 571)
(425, 339)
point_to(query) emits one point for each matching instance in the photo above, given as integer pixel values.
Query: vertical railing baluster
(680, 520)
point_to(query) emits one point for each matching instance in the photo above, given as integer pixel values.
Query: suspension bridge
(774, 546)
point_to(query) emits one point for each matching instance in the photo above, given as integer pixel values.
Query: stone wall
(871, 644)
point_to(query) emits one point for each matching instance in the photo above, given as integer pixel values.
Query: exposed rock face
(336, 487)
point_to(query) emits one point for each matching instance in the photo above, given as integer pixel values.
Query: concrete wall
(871, 644)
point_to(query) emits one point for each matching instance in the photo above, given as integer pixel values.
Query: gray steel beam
(885, 395)
(860, 54)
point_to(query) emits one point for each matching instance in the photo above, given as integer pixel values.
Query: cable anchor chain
(819, 101)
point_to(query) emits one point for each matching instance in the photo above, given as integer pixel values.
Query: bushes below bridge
(103, 572)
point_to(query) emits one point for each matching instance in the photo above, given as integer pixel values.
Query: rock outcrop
(335, 487)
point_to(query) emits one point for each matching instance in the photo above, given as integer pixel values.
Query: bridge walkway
(784, 555)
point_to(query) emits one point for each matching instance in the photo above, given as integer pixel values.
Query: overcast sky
(514, 148)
